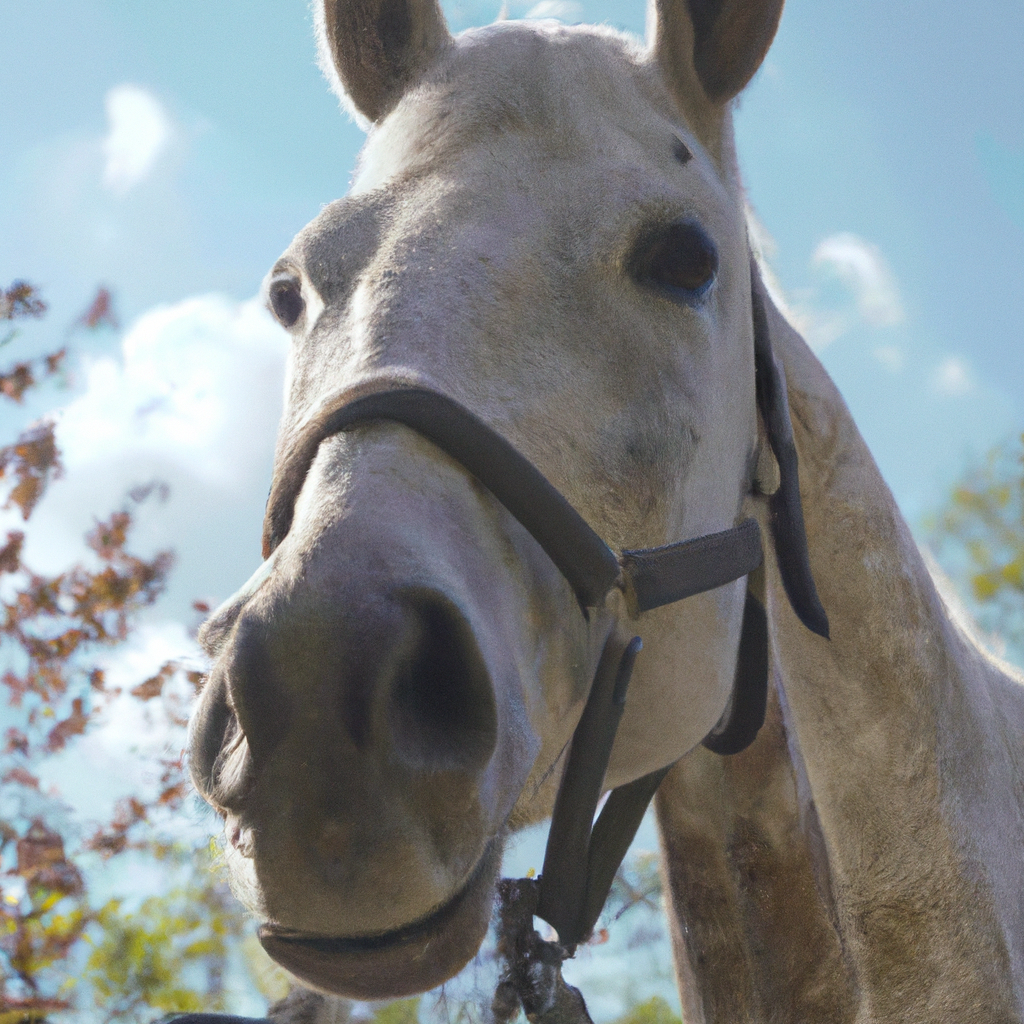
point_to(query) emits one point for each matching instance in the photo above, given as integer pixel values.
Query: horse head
(546, 226)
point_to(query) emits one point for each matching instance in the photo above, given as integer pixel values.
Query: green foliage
(401, 1011)
(653, 1011)
(979, 537)
(169, 955)
(42, 923)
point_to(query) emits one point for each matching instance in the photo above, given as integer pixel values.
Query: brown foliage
(113, 838)
(20, 300)
(41, 861)
(50, 618)
(10, 553)
(33, 461)
(52, 626)
(100, 312)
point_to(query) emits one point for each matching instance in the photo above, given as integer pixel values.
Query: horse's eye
(682, 258)
(286, 300)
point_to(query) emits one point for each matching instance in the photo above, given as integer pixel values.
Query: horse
(545, 242)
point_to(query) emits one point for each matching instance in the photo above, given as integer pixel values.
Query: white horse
(547, 225)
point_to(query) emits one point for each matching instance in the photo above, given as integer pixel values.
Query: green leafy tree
(652, 1011)
(169, 954)
(979, 538)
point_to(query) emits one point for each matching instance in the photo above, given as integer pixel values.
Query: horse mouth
(403, 962)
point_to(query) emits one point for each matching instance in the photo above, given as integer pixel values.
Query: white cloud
(564, 10)
(139, 131)
(862, 267)
(953, 378)
(191, 400)
(191, 380)
(819, 327)
(821, 317)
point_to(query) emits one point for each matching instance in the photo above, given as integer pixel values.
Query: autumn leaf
(33, 460)
(10, 553)
(100, 312)
(20, 300)
(22, 776)
(16, 381)
(107, 538)
(41, 861)
(154, 686)
(17, 742)
(73, 725)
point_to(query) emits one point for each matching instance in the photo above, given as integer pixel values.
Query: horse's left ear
(786, 514)
(713, 45)
(378, 48)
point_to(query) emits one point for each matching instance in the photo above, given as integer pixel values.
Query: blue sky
(171, 151)
(897, 127)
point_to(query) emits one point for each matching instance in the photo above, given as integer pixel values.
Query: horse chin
(402, 962)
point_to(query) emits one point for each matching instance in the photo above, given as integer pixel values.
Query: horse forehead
(515, 96)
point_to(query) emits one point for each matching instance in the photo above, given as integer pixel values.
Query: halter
(569, 899)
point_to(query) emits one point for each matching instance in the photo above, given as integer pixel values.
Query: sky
(171, 151)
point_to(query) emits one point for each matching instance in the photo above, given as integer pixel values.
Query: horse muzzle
(366, 729)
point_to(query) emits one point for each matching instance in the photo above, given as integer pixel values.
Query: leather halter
(570, 899)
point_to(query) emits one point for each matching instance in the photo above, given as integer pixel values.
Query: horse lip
(403, 962)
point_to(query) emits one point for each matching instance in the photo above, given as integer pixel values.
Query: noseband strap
(582, 557)
(651, 577)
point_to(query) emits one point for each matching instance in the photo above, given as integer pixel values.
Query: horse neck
(861, 860)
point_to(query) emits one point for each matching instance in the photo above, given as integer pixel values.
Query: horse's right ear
(785, 513)
(373, 50)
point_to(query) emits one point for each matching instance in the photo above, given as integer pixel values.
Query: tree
(979, 537)
(59, 950)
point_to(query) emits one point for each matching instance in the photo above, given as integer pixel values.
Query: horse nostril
(256, 686)
(209, 732)
(443, 714)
